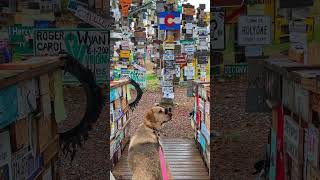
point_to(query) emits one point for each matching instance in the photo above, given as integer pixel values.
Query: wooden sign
(140, 34)
(189, 11)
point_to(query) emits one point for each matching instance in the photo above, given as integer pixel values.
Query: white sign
(189, 48)
(166, 83)
(254, 30)
(168, 95)
(178, 71)
(189, 31)
(91, 18)
(189, 26)
(202, 31)
(218, 31)
(168, 57)
(167, 89)
(189, 71)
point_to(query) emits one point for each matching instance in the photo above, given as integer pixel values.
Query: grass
(153, 82)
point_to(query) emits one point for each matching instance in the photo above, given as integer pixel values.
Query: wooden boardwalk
(183, 157)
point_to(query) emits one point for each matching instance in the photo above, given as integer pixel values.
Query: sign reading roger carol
(254, 30)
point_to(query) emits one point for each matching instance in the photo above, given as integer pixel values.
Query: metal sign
(218, 30)
(254, 30)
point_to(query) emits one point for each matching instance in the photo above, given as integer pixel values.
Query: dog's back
(143, 160)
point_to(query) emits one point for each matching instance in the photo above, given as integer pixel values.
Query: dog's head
(156, 116)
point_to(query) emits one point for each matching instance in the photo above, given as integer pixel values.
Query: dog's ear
(150, 116)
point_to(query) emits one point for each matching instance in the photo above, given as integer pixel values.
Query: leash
(163, 165)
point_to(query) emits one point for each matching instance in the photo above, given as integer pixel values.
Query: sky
(197, 2)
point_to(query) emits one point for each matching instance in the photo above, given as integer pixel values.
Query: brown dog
(143, 156)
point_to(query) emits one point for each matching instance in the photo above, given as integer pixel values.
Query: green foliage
(153, 82)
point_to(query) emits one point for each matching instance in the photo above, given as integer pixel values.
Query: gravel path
(243, 135)
(180, 126)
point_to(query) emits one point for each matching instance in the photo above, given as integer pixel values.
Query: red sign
(181, 60)
(280, 144)
(227, 3)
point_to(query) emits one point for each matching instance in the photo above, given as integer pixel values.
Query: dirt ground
(243, 135)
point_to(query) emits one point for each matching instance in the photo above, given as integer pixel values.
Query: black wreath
(73, 138)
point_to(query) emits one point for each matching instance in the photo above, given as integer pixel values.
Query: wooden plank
(182, 156)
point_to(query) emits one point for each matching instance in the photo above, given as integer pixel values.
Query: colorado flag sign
(170, 21)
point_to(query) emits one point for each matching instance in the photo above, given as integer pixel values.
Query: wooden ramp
(182, 156)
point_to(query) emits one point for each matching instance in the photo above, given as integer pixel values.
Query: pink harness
(163, 165)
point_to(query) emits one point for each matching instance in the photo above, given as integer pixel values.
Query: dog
(143, 153)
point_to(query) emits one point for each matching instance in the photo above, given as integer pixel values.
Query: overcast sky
(197, 2)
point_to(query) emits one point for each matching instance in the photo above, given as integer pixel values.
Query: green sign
(138, 76)
(88, 46)
(21, 36)
(235, 69)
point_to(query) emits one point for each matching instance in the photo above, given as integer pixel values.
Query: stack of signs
(298, 41)
(168, 73)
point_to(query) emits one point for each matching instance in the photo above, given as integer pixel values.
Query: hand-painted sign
(170, 21)
(254, 30)
(91, 18)
(88, 46)
(22, 36)
(218, 31)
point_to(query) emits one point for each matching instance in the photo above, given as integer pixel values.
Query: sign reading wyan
(254, 30)
(88, 46)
